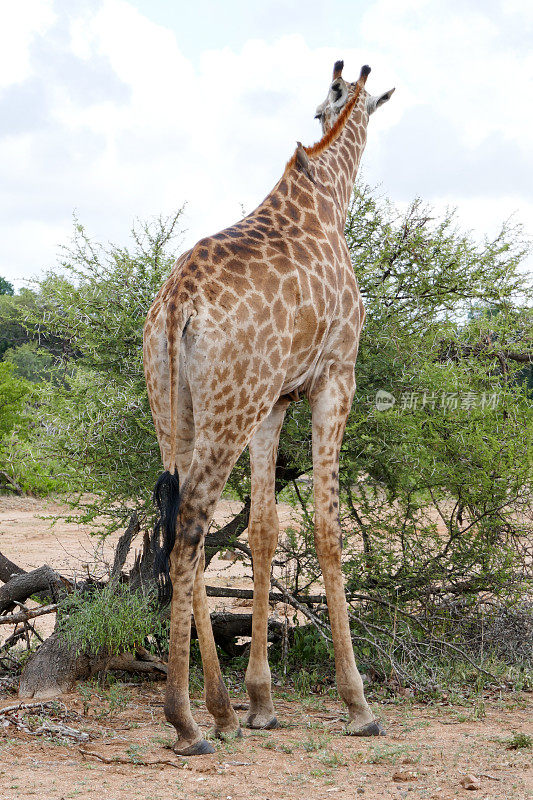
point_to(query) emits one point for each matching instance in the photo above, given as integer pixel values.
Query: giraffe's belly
(321, 337)
(309, 344)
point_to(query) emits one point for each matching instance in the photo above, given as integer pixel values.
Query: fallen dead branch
(56, 729)
(274, 597)
(24, 616)
(142, 661)
(25, 706)
(321, 626)
(286, 597)
(11, 482)
(135, 761)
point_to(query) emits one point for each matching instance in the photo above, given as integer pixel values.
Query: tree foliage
(14, 393)
(6, 287)
(436, 487)
(92, 428)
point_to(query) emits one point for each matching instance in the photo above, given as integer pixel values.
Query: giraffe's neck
(339, 162)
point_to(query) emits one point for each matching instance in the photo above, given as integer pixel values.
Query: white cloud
(21, 24)
(126, 126)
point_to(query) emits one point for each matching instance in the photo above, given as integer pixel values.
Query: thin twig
(130, 761)
(313, 619)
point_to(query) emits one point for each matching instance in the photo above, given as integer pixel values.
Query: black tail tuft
(167, 499)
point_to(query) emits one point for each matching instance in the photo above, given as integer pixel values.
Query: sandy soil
(428, 750)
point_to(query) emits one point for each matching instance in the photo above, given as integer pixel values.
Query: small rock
(470, 782)
(403, 775)
(405, 692)
(228, 555)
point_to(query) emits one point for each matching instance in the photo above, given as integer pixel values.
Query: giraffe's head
(340, 92)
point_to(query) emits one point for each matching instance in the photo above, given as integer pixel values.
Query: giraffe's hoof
(226, 735)
(373, 728)
(200, 748)
(261, 722)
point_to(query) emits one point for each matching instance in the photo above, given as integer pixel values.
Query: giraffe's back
(269, 308)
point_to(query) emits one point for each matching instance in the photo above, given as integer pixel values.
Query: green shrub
(113, 620)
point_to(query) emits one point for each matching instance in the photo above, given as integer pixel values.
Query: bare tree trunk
(54, 669)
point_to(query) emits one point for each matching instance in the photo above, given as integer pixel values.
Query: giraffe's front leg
(263, 533)
(330, 406)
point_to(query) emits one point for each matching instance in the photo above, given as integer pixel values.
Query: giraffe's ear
(375, 102)
(338, 94)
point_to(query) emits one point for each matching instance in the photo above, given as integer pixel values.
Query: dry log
(228, 626)
(142, 662)
(26, 584)
(8, 569)
(141, 577)
(274, 597)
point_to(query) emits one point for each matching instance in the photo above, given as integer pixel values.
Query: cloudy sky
(119, 109)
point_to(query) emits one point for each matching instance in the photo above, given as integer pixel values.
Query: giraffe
(248, 319)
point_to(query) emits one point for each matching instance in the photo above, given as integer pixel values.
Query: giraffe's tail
(167, 488)
(167, 500)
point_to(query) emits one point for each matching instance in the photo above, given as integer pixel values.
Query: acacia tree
(436, 460)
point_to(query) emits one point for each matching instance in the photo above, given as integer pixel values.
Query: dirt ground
(428, 751)
(426, 754)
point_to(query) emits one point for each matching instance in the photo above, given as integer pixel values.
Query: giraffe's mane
(333, 133)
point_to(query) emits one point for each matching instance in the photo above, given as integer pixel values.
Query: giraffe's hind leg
(217, 697)
(263, 531)
(216, 694)
(198, 499)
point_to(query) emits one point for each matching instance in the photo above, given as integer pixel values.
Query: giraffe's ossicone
(260, 313)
